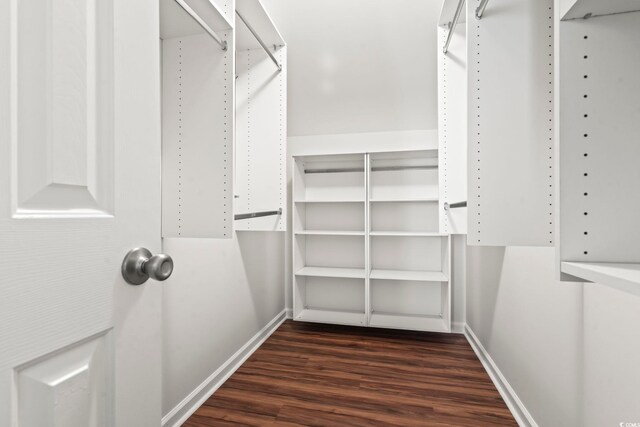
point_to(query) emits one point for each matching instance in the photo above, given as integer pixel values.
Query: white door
(79, 187)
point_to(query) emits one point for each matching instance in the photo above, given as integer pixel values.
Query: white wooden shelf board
(447, 12)
(330, 233)
(175, 22)
(412, 322)
(406, 234)
(623, 276)
(332, 316)
(418, 276)
(346, 273)
(427, 200)
(580, 8)
(257, 16)
(330, 201)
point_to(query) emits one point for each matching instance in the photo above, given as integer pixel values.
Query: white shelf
(408, 200)
(345, 273)
(257, 16)
(406, 234)
(175, 22)
(418, 276)
(598, 7)
(330, 201)
(332, 316)
(329, 233)
(623, 276)
(412, 322)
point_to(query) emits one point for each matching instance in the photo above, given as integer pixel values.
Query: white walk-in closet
(319, 213)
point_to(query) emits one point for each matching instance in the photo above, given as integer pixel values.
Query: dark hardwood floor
(319, 375)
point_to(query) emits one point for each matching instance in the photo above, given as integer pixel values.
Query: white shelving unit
(367, 247)
(598, 150)
(261, 121)
(197, 143)
(510, 143)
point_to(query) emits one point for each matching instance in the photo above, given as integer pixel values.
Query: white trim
(515, 405)
(178, 415)
(457, 327)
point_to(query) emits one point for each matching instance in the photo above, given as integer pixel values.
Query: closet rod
(480, 8)
(374, 169)
(264, 46)
(452, 26)
(195, 17)
(448, 206)
(257, 214)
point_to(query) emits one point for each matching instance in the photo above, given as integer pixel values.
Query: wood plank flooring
(320, 375)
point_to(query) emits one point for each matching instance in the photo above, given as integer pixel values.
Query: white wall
(222, 292)
(611, 362)
(570, 354)
(531, 325)
(359, 65)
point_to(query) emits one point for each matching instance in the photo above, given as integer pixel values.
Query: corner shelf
(622, 276)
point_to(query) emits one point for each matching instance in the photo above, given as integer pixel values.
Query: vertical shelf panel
(510, 130)
(261, 139)
(452, 125)
(197, 137)
(600, 139)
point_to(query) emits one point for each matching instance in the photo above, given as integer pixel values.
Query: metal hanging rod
(264, 46)
(448, 206)
(480, 8)
(374, 169)
(195, 17)
(257, 214)
(452, 26)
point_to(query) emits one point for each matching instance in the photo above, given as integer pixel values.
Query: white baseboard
(515, 405)
(178, 415)
(457, 327)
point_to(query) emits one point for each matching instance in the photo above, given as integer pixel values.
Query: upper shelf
(175, 22)
(256, 15)
(447, 12)
(576, 9)
(625, 277)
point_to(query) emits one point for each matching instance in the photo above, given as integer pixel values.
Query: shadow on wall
(486, 263)
(531, 325)
(261, 254)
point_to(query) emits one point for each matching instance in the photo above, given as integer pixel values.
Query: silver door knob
(139, 265)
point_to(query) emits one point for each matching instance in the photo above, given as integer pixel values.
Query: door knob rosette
(139, 265)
